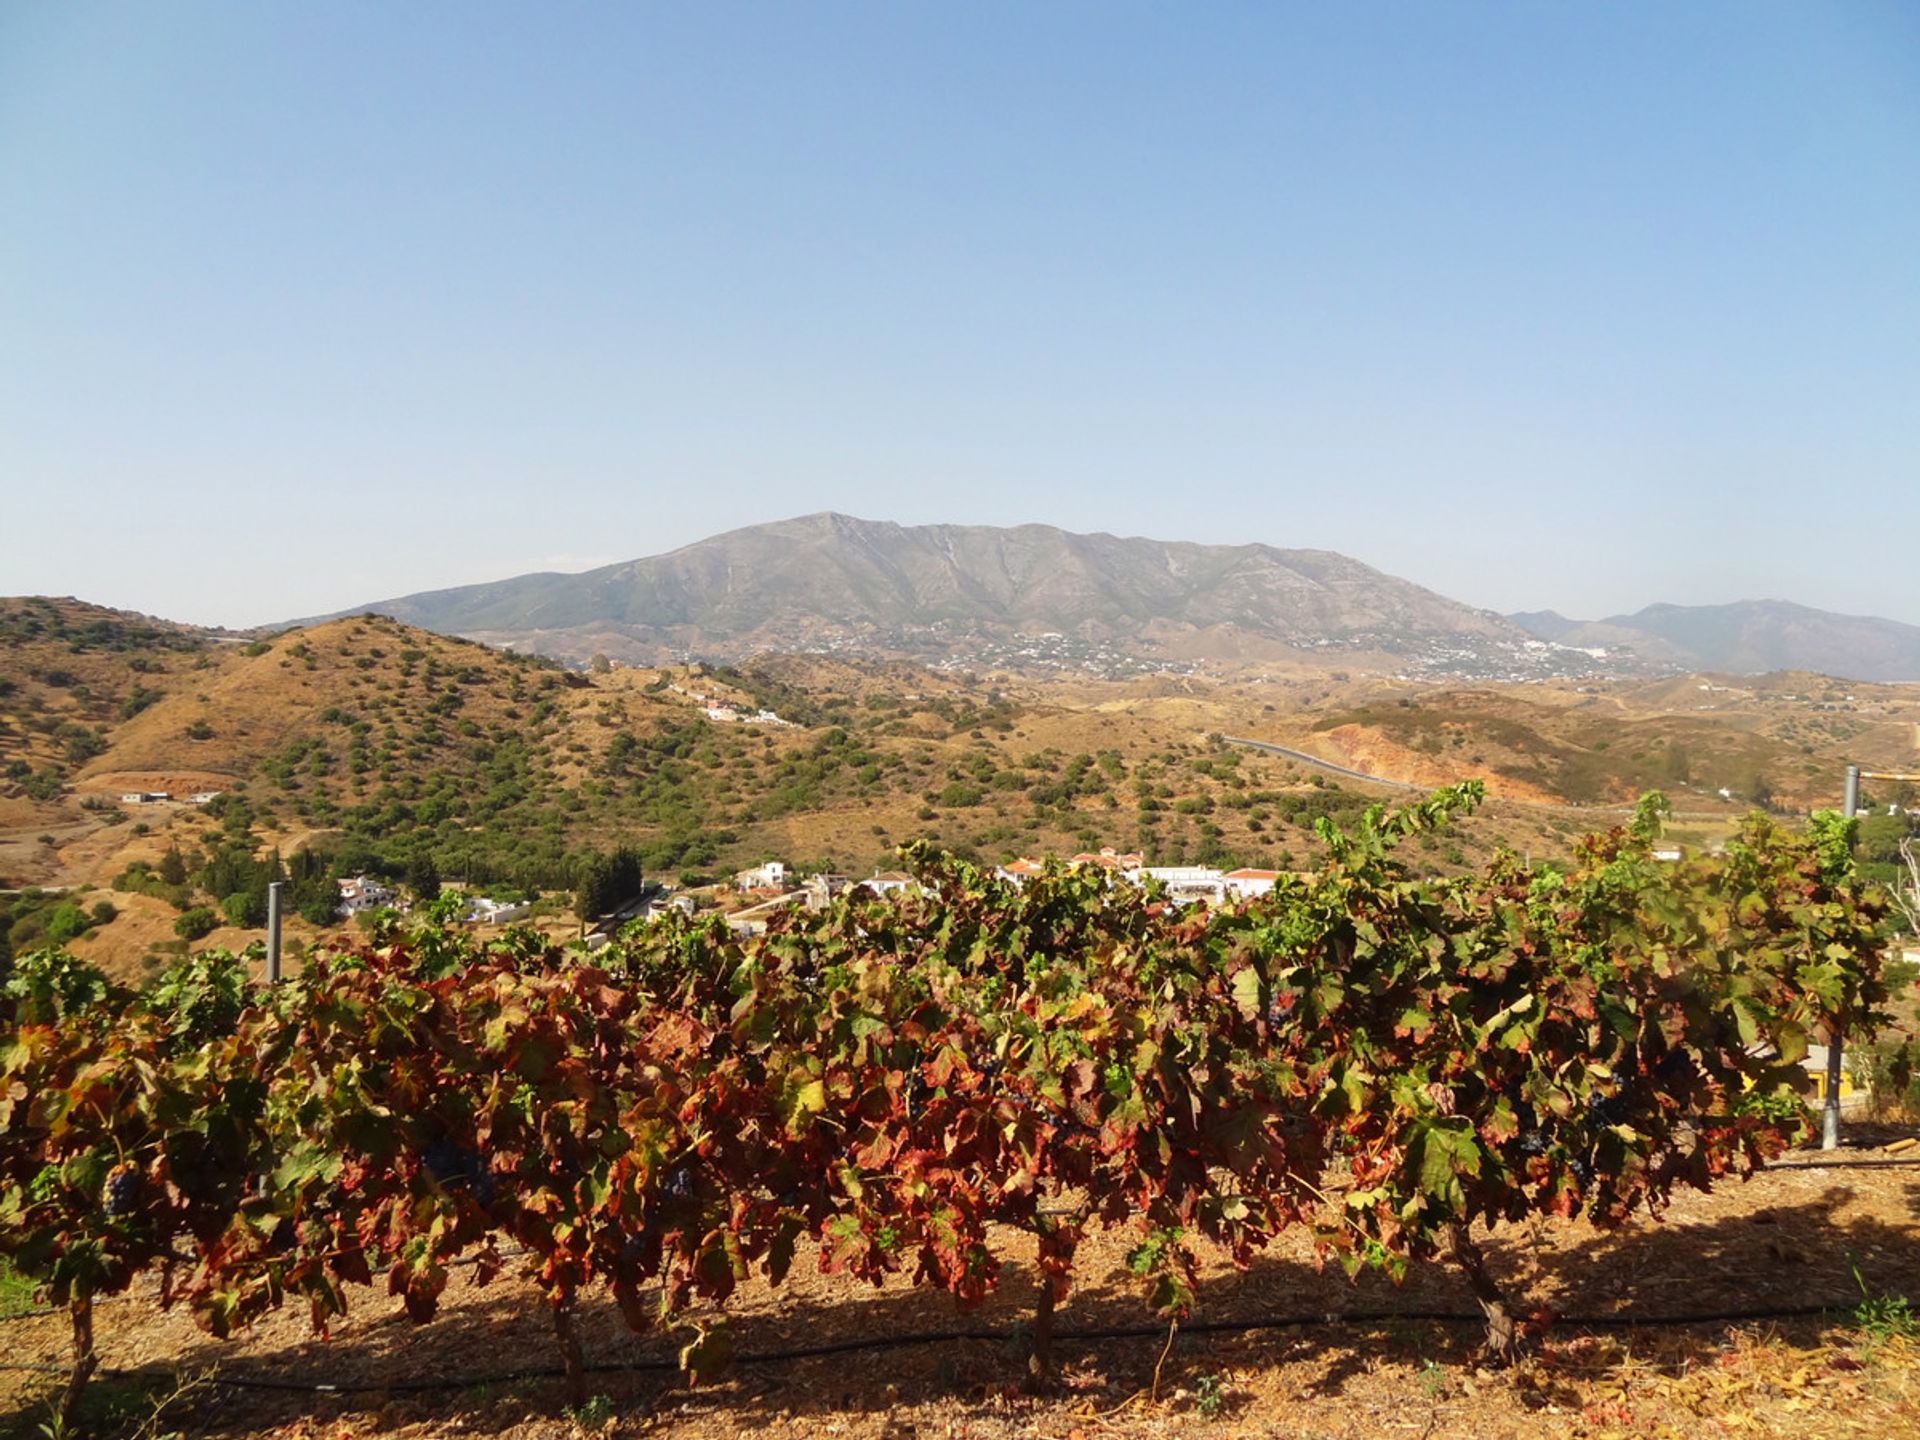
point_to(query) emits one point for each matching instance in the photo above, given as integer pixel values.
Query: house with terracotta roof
(1108, 859)
(1246, 884)
(1018, 872)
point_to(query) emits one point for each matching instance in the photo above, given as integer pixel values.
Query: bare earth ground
(1787, 1239)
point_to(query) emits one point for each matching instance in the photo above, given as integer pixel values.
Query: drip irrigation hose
(511, 1253)
(652, 1365)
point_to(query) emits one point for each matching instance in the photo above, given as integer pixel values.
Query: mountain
(831, 582)
(1748, 637)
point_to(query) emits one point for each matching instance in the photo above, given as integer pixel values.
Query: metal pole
(273, 933)
(1830, 1111)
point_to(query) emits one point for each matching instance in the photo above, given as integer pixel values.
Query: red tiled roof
(1107, 858)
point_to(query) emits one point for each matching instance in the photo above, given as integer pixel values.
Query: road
(1317, 762)
(1352, 774)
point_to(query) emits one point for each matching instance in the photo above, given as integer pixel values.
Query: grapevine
(902, 1083)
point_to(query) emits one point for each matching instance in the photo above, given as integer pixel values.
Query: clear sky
(1583, 307)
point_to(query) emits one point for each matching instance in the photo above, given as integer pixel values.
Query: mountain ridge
(835, 581)
(1036, 595)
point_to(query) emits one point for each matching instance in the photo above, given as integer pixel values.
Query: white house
(770, 876)
(1246, 884)
(1187, 883)
(886, 882)
(821, 889)
(485, 910)
(359, 893)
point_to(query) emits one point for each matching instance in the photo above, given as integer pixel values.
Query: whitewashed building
(359, 892)
(1247, 884)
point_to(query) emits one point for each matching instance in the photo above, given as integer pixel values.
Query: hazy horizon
(1539, 309)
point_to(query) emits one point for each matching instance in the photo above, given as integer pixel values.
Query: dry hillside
(376, 745)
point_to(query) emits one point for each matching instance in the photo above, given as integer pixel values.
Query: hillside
(965, 593)
(70, 675)
(1749, 637)
(376, 745)
(380, 746)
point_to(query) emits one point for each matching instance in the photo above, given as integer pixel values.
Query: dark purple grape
(123, 1191)
(445, 1160)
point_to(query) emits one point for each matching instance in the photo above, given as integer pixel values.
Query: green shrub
(245, 909)
(195, 924)
(66, 922)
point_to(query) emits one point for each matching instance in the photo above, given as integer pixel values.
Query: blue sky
(1540, 305)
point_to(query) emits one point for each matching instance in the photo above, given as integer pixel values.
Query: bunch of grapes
(1604, 1110)
(122, 1191)
(455, 1167)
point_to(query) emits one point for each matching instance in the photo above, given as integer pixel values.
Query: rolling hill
(375, 744)
(1749, 637)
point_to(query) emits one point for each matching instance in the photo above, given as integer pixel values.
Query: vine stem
(85, 1360)
(1040, 1357)
(1503, 1332)
(1165, 1350)
(570, 1353)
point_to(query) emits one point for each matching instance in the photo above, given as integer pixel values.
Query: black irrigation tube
(935, 1337)
(123, 1297)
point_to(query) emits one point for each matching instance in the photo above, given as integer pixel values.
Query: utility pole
(1830, 1111)
(273, 932)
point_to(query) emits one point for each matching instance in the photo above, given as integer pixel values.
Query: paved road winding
(1315, 760)
(1305, 759)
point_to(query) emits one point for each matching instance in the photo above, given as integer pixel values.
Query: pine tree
(423, 878)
